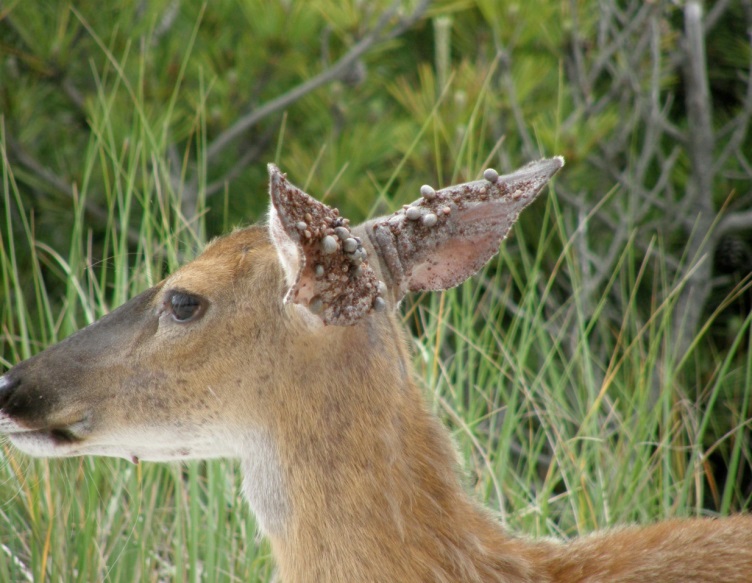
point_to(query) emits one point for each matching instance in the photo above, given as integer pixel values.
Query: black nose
(8, 385)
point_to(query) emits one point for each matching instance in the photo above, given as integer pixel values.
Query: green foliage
(568, 401)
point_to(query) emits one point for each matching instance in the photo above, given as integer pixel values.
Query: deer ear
(443, 238)
(325, 265)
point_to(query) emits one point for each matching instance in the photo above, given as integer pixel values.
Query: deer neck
(365, 487)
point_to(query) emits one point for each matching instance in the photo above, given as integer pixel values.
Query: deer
(281, 345)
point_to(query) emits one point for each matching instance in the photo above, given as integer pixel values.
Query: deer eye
(184, 307)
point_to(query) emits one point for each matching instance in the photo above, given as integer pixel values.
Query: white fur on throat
(263, 483)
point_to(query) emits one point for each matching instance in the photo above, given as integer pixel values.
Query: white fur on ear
(287, 249)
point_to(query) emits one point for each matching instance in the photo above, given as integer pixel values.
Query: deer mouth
(32, 434)
(53, 441)
(32, 431)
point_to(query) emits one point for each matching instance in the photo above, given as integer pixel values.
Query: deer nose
(7, 386)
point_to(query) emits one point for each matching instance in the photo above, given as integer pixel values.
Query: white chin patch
(37, 443)
(137, 444)
(8, 425)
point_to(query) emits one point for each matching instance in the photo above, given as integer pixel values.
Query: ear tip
(536, 173)
(277, 183)
(274, 171)
(545, 166)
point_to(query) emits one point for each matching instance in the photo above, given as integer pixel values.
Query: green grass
(569, 406)
(566, 423)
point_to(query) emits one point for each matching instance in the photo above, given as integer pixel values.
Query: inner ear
(288, 250)
(325, 265)
(447, 235)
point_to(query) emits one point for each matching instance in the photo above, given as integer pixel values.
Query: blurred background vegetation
(362, 102)
(133, 131)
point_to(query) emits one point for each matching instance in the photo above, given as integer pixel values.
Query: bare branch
(338, 70)
(579, 57)
(699, 110)
(249, 156)
(74, 95)
(605, 55)
(700, 187)
(58, 183)
(169, 16)
(715, 13)
(510, 90)
(739, 125)
(732, 222)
